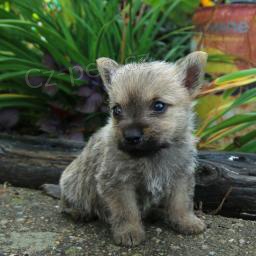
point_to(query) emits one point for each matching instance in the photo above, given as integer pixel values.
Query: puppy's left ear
(190, 70)
(107, 68)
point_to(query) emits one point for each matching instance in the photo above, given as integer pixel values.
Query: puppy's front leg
(125, 217)
(180, 207)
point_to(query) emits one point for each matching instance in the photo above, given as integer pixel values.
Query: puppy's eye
(159, 106)
(117, 111)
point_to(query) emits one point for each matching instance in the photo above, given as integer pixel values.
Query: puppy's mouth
(142, 149)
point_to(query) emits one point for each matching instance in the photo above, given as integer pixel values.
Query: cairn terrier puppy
(146, 154)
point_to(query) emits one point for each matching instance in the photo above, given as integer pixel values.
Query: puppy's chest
(154, 185)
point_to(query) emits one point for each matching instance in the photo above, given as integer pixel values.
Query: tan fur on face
(138, 86)
(155, 80)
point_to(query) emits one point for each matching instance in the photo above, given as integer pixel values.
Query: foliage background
(59, 39)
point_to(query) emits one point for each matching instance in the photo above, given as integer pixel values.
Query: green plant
(44, 39)
(229, 123)
(55, 43)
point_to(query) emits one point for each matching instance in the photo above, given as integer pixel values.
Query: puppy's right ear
(107, 68)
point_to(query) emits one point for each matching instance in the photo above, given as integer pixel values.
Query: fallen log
(31, 161)
(225, 182)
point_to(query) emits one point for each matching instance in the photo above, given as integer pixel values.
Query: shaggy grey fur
(119, 181)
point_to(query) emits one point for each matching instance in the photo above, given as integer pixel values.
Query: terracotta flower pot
(227, 30)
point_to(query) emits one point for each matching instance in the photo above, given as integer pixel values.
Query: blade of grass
(241, 141)
(234, 120)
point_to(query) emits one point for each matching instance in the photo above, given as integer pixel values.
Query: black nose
(133, 135)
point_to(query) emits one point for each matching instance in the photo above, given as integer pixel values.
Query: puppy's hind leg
(74, 213)
(51, 190)
(66, 208)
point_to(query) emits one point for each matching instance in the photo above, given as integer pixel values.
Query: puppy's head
(151, 102)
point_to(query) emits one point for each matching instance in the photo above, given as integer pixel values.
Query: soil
(30, 224)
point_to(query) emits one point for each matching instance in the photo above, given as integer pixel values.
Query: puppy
(145, 156)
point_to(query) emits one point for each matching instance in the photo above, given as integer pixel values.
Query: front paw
(129, 236)
(188, 225)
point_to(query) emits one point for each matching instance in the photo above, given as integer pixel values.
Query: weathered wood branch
(30, 162)
(224, 181)
(230, 175)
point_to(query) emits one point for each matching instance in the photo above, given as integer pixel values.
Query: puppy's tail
(51, 190)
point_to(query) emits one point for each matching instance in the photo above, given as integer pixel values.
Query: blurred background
(49, 85)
